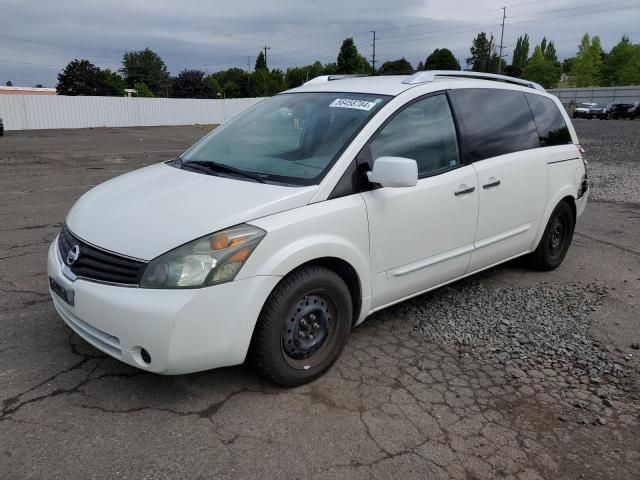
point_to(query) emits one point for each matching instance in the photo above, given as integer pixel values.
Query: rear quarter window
(496, 121)
(552, 129)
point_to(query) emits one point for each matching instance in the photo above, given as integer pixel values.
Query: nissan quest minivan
(277, 233)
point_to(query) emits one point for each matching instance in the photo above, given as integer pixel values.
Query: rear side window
(496, 121)
(552, 128)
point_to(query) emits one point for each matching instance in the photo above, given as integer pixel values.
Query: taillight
(581, 153)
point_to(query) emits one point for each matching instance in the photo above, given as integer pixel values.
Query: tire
(555, 241)
(303, 327)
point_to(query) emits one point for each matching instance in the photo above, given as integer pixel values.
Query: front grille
(96, 264)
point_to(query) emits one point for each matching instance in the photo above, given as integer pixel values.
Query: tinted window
(496, 121)
(552, 128)
(424, 132)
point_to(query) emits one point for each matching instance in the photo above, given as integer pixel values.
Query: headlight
(216, 258)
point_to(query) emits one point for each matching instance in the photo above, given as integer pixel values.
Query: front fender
(336, 228)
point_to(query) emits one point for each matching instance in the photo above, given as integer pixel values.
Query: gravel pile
(613, 151)
(539, 328)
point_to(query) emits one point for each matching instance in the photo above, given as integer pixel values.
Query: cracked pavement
(398, 404)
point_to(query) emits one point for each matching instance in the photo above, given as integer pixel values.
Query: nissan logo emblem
(73, 254)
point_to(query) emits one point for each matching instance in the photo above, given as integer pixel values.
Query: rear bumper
(183, 330)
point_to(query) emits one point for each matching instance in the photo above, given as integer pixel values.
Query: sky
(38, 38)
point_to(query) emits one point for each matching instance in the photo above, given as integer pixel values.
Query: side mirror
(394, 172)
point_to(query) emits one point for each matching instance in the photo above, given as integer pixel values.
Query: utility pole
(248, 64)
(373, 58)
(504, 15)
(265, 55)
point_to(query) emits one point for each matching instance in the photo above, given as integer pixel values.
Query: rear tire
(303, 327)
(555, 241)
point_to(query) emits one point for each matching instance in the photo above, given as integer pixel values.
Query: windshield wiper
(220, 167)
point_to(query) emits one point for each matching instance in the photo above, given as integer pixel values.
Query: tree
(442, 59)
(79, 77)
(146, 66)
(239, 79)
(420, 66)
(191, 84)
(261, 62)
(567, 63)
(296, 76)
(214, 87)
(395, 66)
(350, 60)
(521, 52)
(483, 54)
(585, 71)
(231, 90)
(9, 84)
(630, 73)
(38, 85)
(142, 90)
(620, 66)
(548, 50)
(330, 69)
(263, 83)
(542, 70)
(111, 84)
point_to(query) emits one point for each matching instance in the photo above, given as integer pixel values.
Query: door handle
(493, 182)
(464, 189)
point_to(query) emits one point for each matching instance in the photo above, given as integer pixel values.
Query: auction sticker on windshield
(350, 103)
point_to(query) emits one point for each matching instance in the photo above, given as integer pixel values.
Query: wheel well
(572, 203)
(348, 274)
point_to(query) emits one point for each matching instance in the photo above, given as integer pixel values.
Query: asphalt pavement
(509, 374)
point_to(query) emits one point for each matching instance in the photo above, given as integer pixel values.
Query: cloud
(45, 36)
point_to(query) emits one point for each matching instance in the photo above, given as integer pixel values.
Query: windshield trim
(298, 181)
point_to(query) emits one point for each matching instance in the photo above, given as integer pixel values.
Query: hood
(150, 211)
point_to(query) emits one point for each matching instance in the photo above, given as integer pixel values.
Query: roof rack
(429, 76)
(330, 78)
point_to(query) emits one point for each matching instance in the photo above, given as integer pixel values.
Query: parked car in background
(583, 110)
(1, 128)
(621, 110)
(277, 233)
(633, 112)
(599, 111)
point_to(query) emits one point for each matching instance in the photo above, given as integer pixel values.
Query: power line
(581, 7)
(30, 63)
(429, 34)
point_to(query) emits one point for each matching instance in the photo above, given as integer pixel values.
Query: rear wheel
(303, 326)
(556, 239)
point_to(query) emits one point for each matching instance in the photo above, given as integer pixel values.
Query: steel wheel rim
(558, 235)
(309, 330)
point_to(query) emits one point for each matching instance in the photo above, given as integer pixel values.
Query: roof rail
(330, 78)
(429, 75)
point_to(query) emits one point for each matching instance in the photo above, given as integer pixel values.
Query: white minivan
(277, 233)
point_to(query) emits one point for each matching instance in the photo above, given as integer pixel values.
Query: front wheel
(303, 326)
(556, 239)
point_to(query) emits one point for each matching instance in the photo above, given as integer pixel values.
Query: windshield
(290, 138)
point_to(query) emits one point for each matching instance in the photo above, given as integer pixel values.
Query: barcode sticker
(350, 103)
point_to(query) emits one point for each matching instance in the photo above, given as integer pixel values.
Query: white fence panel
(29, 112)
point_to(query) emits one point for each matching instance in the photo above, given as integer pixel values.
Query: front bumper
(183, 331)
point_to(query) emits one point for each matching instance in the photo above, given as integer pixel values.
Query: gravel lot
(612, 148)
(509, 374)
